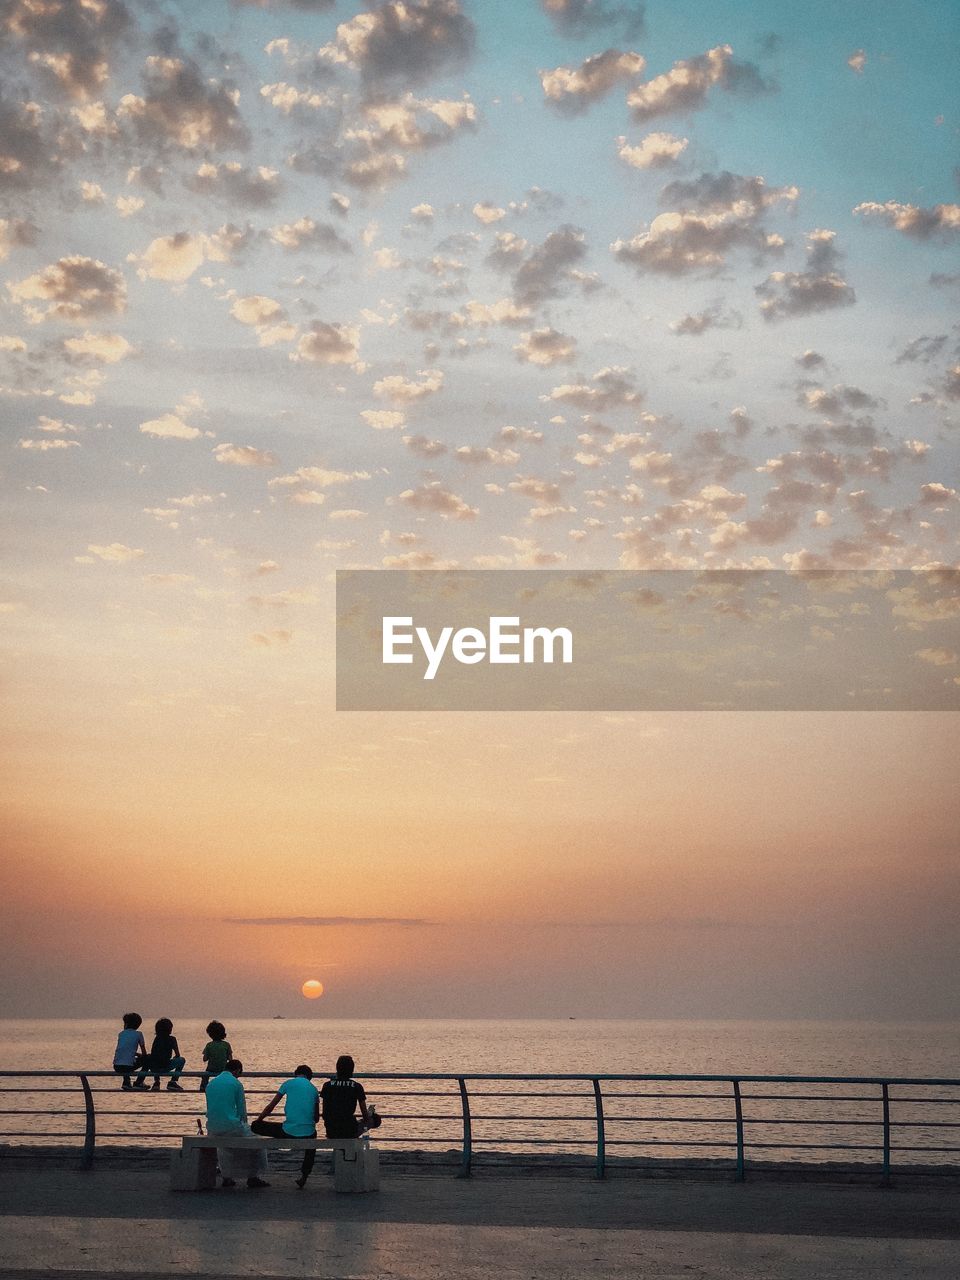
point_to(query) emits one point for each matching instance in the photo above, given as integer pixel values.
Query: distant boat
(278, 1017)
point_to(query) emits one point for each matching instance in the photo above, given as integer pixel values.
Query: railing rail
(889, 1122)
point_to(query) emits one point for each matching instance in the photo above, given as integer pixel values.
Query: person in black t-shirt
(339, 1099)
(164, 1059)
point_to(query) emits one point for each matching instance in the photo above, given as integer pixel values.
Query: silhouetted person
(164, 1058)
(131, 1049)
(339, 1099)
(216, 1054)
(301, 1111)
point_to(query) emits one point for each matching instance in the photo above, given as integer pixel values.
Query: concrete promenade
(58, 1222)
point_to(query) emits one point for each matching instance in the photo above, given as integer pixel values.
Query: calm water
(553, 1118)
(750, 1048)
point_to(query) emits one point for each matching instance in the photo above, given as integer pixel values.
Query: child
(130, 1049)
(216, 1054)
(164, 1058)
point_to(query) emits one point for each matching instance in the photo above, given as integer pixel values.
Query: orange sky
(676, 864)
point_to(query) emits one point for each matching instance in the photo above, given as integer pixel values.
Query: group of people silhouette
(336, 1102)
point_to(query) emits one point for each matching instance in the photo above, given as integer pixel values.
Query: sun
(312, 989)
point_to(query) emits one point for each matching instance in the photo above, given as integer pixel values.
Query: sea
(677, 1119)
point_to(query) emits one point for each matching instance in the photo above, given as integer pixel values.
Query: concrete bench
(356, 1166)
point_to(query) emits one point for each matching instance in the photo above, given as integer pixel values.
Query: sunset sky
(288, 286)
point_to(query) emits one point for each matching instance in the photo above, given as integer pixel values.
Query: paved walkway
(58, 1224)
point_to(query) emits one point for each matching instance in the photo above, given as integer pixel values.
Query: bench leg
(357, 1170)
(194, 1169)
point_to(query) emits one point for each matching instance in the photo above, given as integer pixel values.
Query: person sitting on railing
(301, 1111)
(227, 1114)
(164, 1058)
(216, 1054)
(131, 1049)
(339, 1099)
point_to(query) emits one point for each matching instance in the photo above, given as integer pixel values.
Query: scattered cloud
(545, 347)
(942, 221)
(801, 293)
(655, 151)
(686, 85)
(245, 455)
(572, 89)
(74, 288)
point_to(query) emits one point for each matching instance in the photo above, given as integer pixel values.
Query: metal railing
(879, 1123)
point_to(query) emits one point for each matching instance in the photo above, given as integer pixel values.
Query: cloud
(484, 212)
(28, 149)
(14, 234)
(936, 494)
(116, 553)
(714, 317)
(938, 657)
(404, 42)
(433, 497)
(307, 234)
(719, 212)
(819, 288)
(169, 427)
(940, 222)
(922, 349)
(572, 89)
(255, 309)
(423, 447)
(245, 455)
(304, 6)
(46, 446)
(183, 107)
(686, 86)
(583, 17)
(328, 344)
(328, 922)
(68, 40)
(76, 289)
(383, 419)
(610, 388)
(545, 272)
(727, 193)
(319, 477)
(404, 390)
(838, 400)
(106, 348)
(236, 184)
(545, 347)
(656, 151)
(681, 243)
(176, 257)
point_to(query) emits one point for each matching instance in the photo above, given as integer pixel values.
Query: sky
(291, 286)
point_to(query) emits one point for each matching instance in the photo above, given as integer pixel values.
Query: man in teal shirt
(227, 1115)
(301, 1111)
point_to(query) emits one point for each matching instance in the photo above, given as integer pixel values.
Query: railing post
(738, 1104)
(466, 1156)
(885, 1094)
(601, 1131)
(90, 1125)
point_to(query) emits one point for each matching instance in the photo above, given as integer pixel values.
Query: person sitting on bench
(301, 1106)
(340, 1097)
(227, 1115)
